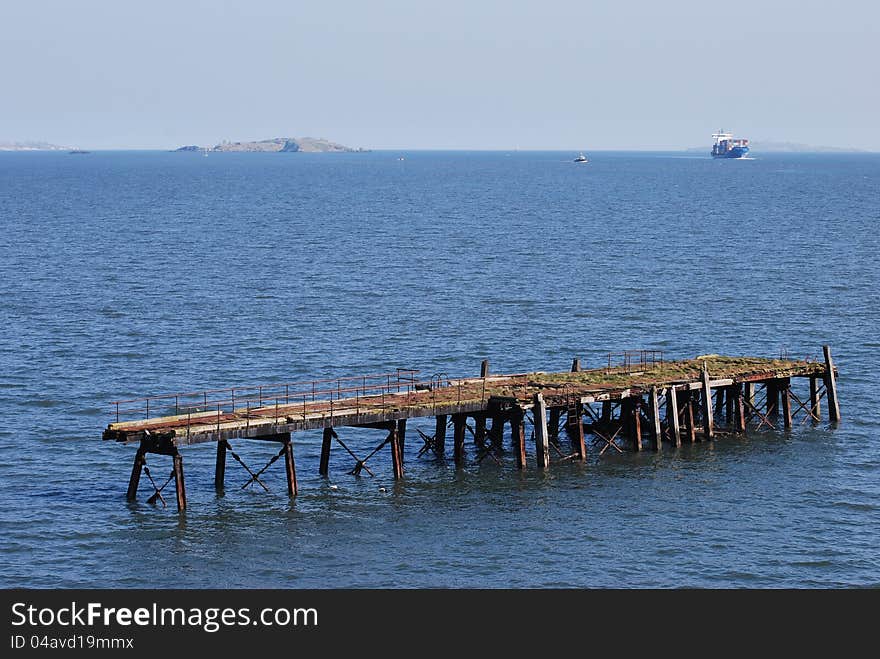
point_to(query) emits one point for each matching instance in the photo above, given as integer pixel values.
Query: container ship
(727, 147)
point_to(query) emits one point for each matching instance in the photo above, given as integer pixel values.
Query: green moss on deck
(685, 370)
(688, 370)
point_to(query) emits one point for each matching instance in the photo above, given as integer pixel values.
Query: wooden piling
(749, 394)
(553, 423)
(136, 469)
(672, 421)
(606, 412)
(518, 436)
(576, 365)
(574, 428)
(772, 389)
(496, 432)
(708, 422)
(689, 420)
(636, 416)
(655, 419)
(542, 440)
(815, 405)
(459, 425)
(831, 386)
(396, 458)
(739, 409)
(719, 402)
(220, 465)
(289, 466)
(179, 486)
(484, 368)
(440, 435)
(401, 438)
(785, 394)
(479, 428)
(326, 444)
(626, 417)
(729, 403)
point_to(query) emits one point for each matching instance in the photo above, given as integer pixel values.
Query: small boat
(581, 158)
(77, 152)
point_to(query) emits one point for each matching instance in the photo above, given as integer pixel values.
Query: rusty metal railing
(257, 396)
(358, 394)
(633, 361)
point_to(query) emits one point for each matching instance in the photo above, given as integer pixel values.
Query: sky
(452, 74)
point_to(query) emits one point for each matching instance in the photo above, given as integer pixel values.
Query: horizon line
(807, 149)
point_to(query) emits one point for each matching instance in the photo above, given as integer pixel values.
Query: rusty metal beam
(396, 453)
(179, 486)
(290, 467)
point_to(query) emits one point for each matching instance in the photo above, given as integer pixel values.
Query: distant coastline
(313, 145)
(277, 145)
(32, 146)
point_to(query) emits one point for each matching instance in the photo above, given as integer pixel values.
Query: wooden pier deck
(636, 398)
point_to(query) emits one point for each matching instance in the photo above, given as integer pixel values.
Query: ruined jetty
(634, 400)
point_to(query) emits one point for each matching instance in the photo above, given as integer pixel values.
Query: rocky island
(278, 145)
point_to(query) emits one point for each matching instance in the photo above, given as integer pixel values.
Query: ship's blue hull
(735, 152)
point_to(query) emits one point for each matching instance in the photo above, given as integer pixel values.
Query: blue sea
(131, 273)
